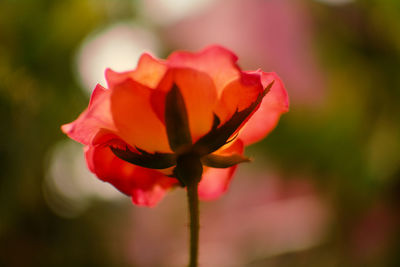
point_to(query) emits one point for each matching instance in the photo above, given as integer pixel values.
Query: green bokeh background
(349, 146)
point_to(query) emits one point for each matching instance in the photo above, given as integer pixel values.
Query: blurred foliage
(349, 145)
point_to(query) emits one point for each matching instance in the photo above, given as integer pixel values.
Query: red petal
(146, 186)
(216, 181)
(199, 94)
(264, 120)
(135, 119)
(94, 121)
(216, 61)
(148, 72)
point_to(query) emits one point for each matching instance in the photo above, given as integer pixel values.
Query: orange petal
(94, 121)
(264, 120)
(134, 118)
(216, 61)
(215, 182)
(199, 94)
(148, 72)
(238, 95)
(146, 186)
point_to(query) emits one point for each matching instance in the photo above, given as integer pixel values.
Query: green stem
(193, 201)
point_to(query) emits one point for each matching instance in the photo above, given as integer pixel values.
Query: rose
(197, 110)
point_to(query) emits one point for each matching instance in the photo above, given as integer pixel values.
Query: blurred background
(324, 189)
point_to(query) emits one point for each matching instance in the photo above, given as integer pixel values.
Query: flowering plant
(183, 121)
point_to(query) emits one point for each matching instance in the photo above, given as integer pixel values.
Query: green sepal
(220, 161)
(218, 136)
(145, 159)
(176, 119)
(266, 89)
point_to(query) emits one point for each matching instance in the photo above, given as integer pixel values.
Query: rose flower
(170, 121)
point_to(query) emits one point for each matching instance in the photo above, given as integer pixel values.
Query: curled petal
(218, 62)
(215, 182)
(134, 118)
(274, 104)
(146, 186)
(148, 72)
(238, 95)
(95, 121)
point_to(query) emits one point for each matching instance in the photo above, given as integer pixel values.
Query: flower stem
(193, 201)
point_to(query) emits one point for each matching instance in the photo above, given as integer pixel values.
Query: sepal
(176, 119)
(145, 159)
(219, 134)
(221, 161)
